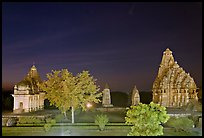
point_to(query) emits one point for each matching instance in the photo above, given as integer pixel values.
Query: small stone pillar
(135, 96)
(106, 97)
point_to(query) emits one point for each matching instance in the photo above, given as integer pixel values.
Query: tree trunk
(65, 115)
(72, 114)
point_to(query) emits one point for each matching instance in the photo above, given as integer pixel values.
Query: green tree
(66, 91)
(146, 119)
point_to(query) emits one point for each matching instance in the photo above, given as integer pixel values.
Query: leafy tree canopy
(65, 90)
(146, 119)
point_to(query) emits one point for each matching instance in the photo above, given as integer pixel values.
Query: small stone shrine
(106, 102)
(135, 96)
(173, 87)
(27, 96)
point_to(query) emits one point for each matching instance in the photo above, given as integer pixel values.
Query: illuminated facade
(173, 87)
(106, 102)
(27, 96)
(135, 96)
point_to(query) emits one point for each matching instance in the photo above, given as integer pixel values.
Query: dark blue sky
(119, 43)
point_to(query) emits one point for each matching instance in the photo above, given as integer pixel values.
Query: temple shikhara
(173, 87)
(27, 95)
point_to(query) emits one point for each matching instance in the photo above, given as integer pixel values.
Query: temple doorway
(21, 105)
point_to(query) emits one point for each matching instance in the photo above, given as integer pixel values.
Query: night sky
(119, 43)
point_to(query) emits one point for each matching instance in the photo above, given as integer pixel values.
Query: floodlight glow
(88, 105)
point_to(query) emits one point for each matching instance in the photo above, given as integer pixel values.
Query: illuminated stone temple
(173, 87)
(135, 96)
(106, 102)
(27, 96)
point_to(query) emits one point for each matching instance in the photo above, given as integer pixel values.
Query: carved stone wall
(173, 87)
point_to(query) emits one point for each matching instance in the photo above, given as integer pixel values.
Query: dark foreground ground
(83, 131)
(84, 125)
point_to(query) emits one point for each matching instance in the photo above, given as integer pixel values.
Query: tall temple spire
(172, 86)
(106, 86)
(31, 79)
(33, 72)
(167, 62)
(167, 59)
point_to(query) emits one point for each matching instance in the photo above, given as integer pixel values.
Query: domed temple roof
(31, 80)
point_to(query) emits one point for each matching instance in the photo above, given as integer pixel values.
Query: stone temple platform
(181, 112)
(13, 117)
(38, 113)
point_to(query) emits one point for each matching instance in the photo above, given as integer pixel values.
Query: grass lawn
(80, 116)
(81, 131)
(114, 116)
(89, 116)
(66, 130)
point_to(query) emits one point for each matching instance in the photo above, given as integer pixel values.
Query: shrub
(29, 120)
(146, 119)
(101, 120)
(181, 124)
(11, 122)
(50, 121)
(22, 120)
(199, 125)
(4, 121)
(37, 120)
(53, 121)
(195, 119)
(47, 127)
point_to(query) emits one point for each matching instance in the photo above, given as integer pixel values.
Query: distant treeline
(7, 100)
(122, 99)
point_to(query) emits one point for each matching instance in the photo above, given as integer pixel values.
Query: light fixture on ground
(88, 105)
